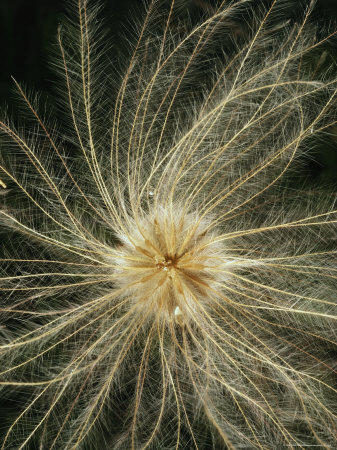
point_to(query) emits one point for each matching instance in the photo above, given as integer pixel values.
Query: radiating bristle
(168, 280)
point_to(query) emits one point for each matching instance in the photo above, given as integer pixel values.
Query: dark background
(28, 30)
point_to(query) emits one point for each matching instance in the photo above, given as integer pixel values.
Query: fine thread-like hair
(168, 278)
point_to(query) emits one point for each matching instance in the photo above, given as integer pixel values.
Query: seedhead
(168, 276)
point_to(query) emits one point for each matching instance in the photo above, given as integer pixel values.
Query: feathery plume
(166, 282)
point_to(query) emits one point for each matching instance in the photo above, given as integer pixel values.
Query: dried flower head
(166, 280)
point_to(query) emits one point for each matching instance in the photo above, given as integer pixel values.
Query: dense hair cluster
(167, 280)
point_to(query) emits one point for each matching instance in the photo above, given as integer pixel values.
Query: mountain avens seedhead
(168, 272)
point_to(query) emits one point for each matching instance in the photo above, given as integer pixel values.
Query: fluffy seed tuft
(168, 275)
